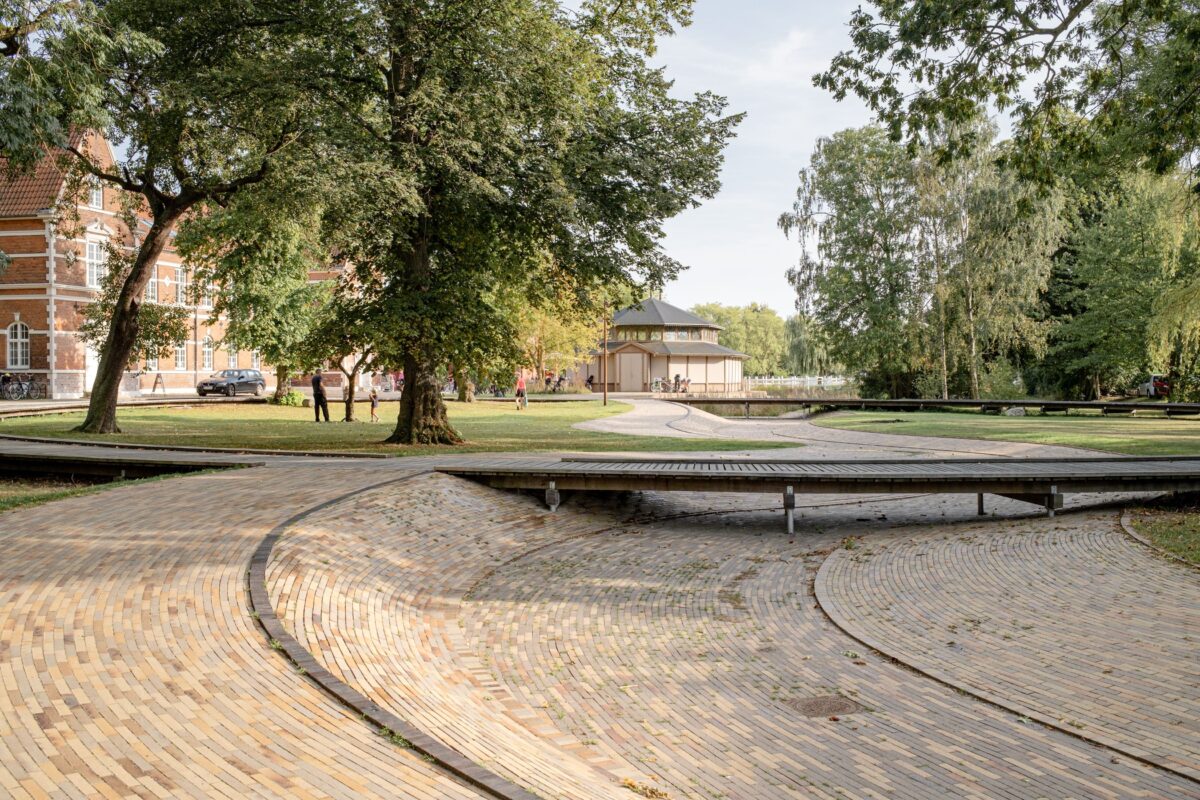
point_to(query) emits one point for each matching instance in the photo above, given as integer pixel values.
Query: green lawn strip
(1172, 523)
(1126, 435)
(488, 427)
(25, 492)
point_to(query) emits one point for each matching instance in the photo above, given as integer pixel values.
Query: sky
(761, 55)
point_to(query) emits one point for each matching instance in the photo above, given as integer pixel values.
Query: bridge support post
(1053, 500)
(789, 509)
(552, 497)
(979, 498)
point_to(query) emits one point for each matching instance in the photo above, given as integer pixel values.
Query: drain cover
(825, 706)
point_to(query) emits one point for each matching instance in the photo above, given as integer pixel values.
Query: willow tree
(508, 143)
(197, 118)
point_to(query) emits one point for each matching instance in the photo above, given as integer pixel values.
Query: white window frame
(181, 286)
(151, 294)
(152, 364)
(232, 362)
(255, 360)
(206, 299)
(18, 349)
(181, 357)
(97, 262)
(95, 193)
(206, 354)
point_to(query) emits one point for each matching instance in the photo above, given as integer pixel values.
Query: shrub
(292, 398)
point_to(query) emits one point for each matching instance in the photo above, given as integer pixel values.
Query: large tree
(509, 143)
(198, 118)
(855, 213)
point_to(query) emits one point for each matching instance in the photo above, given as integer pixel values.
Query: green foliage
(807, 349)
(293, 397)
(1098, 81)
(856, 202)
(755, 330)
(1131, 269)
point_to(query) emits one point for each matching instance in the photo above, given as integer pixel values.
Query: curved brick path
(663, 418)
(1069, 622)
(130, 666)
(570, 656)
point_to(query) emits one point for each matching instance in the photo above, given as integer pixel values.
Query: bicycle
(21, 386)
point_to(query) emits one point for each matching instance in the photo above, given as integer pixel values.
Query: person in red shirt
(522, 400)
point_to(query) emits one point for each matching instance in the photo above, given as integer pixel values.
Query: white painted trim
(23, 286)
(42, 254)
(22, 233)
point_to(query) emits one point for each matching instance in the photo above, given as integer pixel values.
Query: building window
(152, 288)
(96, 266)
(152, 364)
(206, 299)
(181, 286)
(255, 360)
(181, 356)
(207, 353)
(95, 193)
(232, 363)
(18, 346)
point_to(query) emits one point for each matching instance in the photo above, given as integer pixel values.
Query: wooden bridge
(1039, 481)
(864, 404)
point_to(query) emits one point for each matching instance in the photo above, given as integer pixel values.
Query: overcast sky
(761, 55)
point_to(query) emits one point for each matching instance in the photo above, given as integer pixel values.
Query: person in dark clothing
(319, 402)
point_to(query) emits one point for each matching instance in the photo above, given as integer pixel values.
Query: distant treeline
(935, 278)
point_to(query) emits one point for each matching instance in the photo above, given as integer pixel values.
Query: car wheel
(230, 391)
(258, 389)
(203, 394)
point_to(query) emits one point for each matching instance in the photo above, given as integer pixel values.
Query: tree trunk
(282, 374)
(350, 391)
(466, 386)
(974, 343)
(123, 329)
(422, 418)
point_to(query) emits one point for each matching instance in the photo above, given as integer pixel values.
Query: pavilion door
(630, 368)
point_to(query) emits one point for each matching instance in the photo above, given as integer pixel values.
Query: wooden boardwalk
(1040, 481)
(863, 404)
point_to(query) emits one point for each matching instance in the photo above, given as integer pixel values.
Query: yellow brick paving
(571, 651)
(1069, 620)
(130, 665)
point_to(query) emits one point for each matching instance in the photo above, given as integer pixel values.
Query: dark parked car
(231, 381)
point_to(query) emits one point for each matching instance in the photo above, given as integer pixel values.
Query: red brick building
(52, 275)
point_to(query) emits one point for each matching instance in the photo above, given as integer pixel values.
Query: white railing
(797, 381)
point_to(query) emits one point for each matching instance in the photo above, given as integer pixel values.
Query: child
(374, 405)
(521, 401)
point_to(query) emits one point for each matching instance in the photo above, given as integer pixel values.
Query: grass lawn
(1128, 435)
(21, 492)
(488, 427)
(1173, 524)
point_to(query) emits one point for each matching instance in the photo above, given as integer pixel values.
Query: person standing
(522, 400)
(374, 406)
(320, 403)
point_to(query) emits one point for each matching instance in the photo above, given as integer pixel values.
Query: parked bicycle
(21, 386)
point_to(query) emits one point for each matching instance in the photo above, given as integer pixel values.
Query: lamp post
(604, 357)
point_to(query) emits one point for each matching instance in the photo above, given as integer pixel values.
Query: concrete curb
(1131, 532)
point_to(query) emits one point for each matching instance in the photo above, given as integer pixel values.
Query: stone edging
(445, 757)
(186, 448)
(1131, 532)
(996, 701)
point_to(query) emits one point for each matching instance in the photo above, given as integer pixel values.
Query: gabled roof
(652, 311)
(27, 193)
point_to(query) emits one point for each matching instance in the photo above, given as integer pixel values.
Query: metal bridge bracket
(789, 509)
(552, 497)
